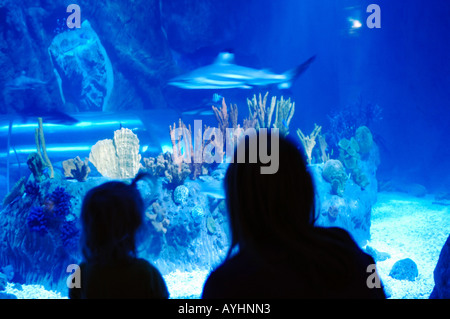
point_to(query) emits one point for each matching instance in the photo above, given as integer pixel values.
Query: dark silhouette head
(111, 216)
(269, 208)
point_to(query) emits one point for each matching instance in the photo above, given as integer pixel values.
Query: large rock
(352, 208)
(82, 68)
(404, 269)
(442, 274)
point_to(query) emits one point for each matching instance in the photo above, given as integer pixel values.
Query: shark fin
(225, 58)
(293, 74)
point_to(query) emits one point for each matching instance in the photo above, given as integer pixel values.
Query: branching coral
(284, 111)
(76, 168)
(309, 141)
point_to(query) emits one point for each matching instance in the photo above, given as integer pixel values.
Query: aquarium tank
(94, 91)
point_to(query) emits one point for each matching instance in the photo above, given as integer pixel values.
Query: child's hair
(111, 215)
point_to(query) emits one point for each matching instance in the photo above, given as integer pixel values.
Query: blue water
(114, 72)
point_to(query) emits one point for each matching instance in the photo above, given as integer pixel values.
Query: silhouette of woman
(276, 251)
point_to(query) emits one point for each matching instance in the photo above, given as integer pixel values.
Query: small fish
(285, 124)
(225, 74)
(217, 98)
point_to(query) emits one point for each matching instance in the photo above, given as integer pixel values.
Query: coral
(334, 173)
(364, 138)
(158, 218)
(191, 155)
(117, 158)
(197, 212)
(69, 234)
(36, 165)
(284, 111)
(348, 153)
(360, 178)
(37, 221)
(32, 189)
(76, 168)
(223, 117)
(60, 199)
(333, 212)
(309, 141)
(39, 136)
(323, 148)
(163, 166)
(344, 122)
(180, 194)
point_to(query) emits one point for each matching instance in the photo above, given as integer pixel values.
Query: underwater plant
(284, 111)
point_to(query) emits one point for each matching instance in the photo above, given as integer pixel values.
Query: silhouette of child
(111, 216)
(276, 251)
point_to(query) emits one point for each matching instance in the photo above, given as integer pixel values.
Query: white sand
(409, 227)
(402, 225)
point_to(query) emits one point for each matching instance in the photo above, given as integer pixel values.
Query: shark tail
(293, 74)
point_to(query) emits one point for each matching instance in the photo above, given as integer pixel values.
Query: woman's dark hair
(111, 215)
(269, 207)
(278, 210)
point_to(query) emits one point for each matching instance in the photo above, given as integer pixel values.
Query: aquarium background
(110, 78)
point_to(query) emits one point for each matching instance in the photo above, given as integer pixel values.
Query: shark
(225, 74)
(23, 82)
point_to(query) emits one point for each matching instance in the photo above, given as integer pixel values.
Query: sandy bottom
(409, 227)
(403, 226)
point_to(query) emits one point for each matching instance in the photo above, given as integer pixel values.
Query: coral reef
(158, 218)
(37, 221)
(36, 165)
(163, 166)
(309, 141)
(76, 168)
(351, 151)
(118, 158)
(284, 111)
(334, 173)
